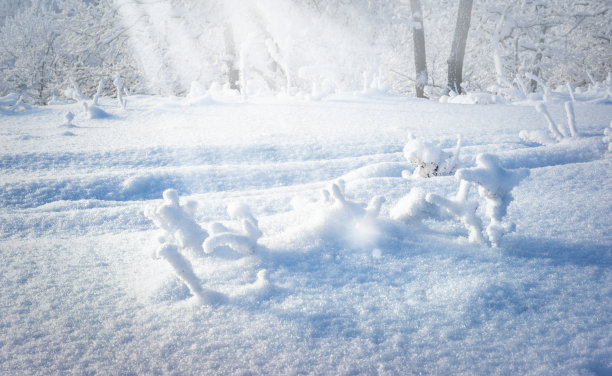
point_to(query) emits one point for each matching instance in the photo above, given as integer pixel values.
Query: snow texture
(338, 281)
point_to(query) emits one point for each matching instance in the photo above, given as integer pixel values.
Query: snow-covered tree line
(299, 46)
(45, 44)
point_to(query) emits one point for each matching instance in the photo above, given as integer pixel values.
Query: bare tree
(455, 61)
(418, 35)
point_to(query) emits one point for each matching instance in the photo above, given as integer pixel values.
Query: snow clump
(414, 208)
(177, 223)
(336, 219)
(431, 160)
(95, 112)
(242, 240)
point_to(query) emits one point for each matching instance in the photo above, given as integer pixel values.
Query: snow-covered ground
(329, 288)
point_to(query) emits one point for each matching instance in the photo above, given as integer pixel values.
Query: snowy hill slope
(82, 289)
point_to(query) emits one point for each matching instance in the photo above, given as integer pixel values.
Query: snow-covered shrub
(460, 207)
(430, 159)
(13, 103)
(608, 137)
(177, 223)
(556, 133)
(494, 185)
(243, 240)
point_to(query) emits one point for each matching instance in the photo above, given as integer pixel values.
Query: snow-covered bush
(13, 103)
(177, 223)
(494, 185)
(242, 240)
(44, 44)
(430, 159)
(462, 208)
(555, 133)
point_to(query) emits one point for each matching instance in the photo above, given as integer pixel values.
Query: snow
(327, 259)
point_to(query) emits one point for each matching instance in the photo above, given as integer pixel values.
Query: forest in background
(174, 47)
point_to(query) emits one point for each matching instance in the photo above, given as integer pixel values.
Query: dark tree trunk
(418, 35)
(233, 74)
(455, 61)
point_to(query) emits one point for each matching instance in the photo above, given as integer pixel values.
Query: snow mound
(336, 220)
(473, 98)
(13, 103)
(414, 208)
(95, 112)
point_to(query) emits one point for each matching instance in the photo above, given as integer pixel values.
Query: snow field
(83, 291)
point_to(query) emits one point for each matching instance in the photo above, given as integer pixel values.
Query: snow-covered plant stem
(552, 126)
(464, 210)
(183, 269)
(98, 92)
(242, 241)
(571, 119)
(119, 85)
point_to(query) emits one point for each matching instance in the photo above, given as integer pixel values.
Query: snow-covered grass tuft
(430, 159)
(463, 209)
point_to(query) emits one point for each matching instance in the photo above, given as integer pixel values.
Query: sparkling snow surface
(82, 292)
